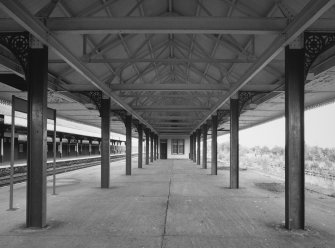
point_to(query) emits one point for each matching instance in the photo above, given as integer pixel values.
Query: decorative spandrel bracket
(221, 115)
(136, 123)
(96, 97)
(316, 43)
(121, 113)
(245, 97)
(18, 44)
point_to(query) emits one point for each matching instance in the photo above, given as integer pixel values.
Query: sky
(319, 130)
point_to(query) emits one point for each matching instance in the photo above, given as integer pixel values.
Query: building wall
(169, 147)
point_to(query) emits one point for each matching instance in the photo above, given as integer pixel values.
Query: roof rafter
(168, 25)
(20, 14)
(309, 14)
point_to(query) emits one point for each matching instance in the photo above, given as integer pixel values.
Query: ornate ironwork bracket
(18, 44)
(316, 43)
(121, 113)
(96, 97)
(222, 114)
(245, 97)
(136, 123)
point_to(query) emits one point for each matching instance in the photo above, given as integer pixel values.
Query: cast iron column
(128, 144)
(2, 120)
(151, 147)
(155, 147)
(37, 81)
(191, 147)
(60, 147)
(90, 147)
(105, 139)
(204, 146)
(198, 146)
(194, 147)
(214, 162)
(140, 145)
(147, 137)
(294, 149)
(234, 149)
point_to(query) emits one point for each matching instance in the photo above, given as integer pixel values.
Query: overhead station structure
(175, 70)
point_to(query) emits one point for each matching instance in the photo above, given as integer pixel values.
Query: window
(178, 146)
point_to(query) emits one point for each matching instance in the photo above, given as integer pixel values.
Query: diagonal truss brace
(22, 16)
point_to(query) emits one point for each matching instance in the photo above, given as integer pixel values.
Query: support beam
(307, 16)
(168, 25)
(151, 147)
(140, 145)
(24, 18)
(294, 152)
(194, 147)
(214, 162)
(14, 81)
(37, 80)
(105, 139)
(147, 145)
(163, 116)
(191, 147)
(155, 147)
(162, 25)
(169, 87)
(198, 146)
(234, 149)
(128, 144)
(2, 130)
(60, 148)
(173, 61)
(204, 146)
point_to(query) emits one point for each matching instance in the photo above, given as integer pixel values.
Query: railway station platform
(169, 203)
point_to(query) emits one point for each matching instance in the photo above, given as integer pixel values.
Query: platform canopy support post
(129, 120)
(90, 147)
(147, 145)
(105, 139)
(140, 145)
(294, 149)
(198, 146)
(37, 80)
(194, 147)
(155, 146)
(191, 147)
(2, 131)
(12, 158)
(204, 146)
(214, 162)
(151, 147)
(234, 143)
(60, 147)
(2, 124)
(54, 154)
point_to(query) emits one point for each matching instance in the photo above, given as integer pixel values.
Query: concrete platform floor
(170, 203)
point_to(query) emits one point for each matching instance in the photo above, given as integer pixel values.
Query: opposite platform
(170, 203)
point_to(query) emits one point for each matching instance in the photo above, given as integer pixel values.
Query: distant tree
(278, 151)
(315, 153)
(243, 150)
(331, 155)
(265, 150)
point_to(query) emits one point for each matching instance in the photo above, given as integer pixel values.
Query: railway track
(21, 177)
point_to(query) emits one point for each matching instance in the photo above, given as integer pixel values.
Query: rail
(20, 174)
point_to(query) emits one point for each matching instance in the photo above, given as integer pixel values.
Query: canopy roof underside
(171, 64)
